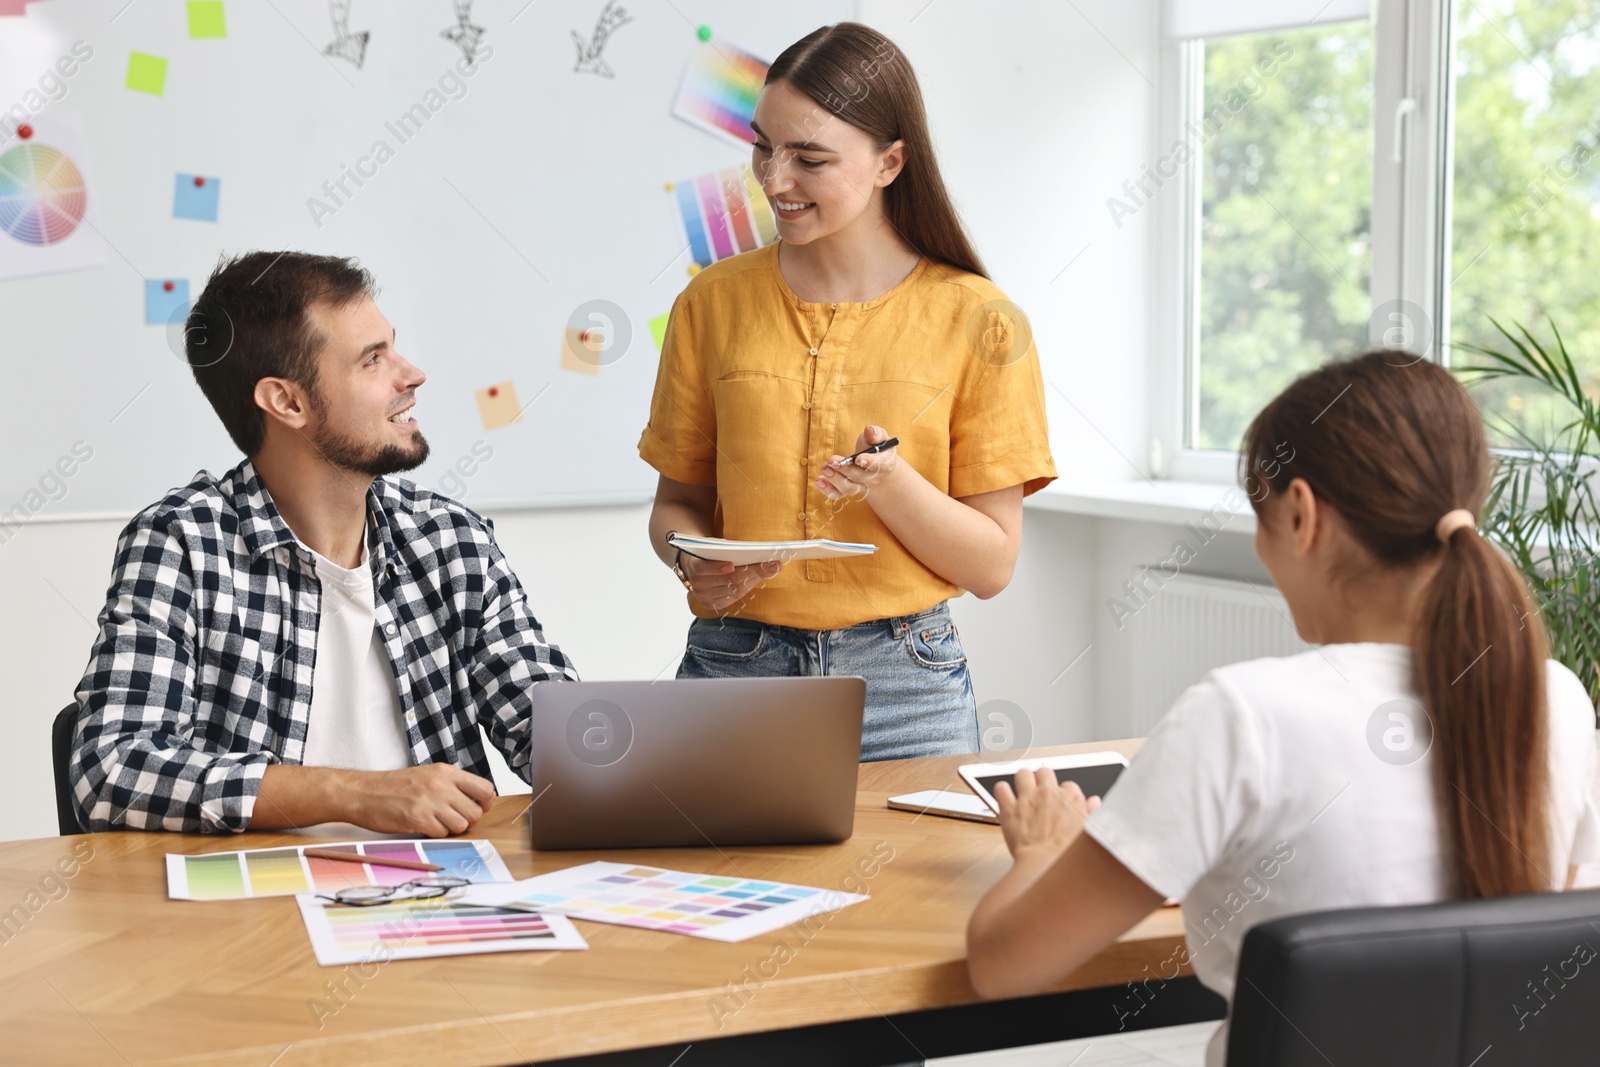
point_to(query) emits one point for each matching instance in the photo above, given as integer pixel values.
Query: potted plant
(1544, 500)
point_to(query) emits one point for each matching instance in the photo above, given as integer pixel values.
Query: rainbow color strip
(278, 872)
(420, 929)
(42, 195)
(724, 213)
(719, 90)
(359, 931)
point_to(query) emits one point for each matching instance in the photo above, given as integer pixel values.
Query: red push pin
(168, 286)
(494, 391)
(199, 181)
(24, 131)
(584, 337)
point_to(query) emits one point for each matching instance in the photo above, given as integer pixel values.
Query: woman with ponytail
(870, 317)
(1426, 749)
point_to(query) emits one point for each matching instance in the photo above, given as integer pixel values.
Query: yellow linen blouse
(757, 389)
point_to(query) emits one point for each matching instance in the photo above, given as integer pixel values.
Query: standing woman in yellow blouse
(870, 317)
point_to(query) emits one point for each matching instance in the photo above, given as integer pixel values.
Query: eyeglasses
(364, 896)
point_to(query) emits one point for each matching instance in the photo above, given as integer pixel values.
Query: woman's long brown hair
(857, 73)
(1392, 444)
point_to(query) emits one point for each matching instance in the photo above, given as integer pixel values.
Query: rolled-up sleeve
(680, 441)
(134, 764)
(998, 433)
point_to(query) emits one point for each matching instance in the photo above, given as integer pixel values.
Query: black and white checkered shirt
(201, 675)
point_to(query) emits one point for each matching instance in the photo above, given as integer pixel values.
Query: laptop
(696, 762)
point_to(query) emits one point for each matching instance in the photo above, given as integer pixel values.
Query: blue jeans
(919, 694)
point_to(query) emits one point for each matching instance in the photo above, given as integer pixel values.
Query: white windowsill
(1170, 502)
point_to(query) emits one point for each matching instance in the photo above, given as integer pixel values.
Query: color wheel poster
(48, 221)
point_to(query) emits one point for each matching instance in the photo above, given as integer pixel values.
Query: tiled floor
(1171, 1046)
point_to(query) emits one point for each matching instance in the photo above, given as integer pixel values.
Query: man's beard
(353, 455)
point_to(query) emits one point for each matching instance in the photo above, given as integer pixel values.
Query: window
(1524, 191)
(1282, 251)
(1441, 157)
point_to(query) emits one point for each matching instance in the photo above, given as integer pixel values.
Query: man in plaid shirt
(305, 638)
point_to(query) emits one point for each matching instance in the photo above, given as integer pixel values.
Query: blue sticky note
(195, 197)
(162, 306)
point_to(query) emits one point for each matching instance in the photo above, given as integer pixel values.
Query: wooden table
(102, 968)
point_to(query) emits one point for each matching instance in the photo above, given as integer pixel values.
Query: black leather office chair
(60, 751)
(1490, 983)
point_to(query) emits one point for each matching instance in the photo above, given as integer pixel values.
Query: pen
(376, 861)
(881, 446)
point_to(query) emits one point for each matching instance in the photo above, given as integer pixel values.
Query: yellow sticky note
(147, 73)
(582, 350)
(497, 405)
(658, 329)
(206, 19)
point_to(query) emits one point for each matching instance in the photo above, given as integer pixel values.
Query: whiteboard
(527, 193)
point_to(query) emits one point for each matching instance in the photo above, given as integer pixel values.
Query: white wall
(1039, 112)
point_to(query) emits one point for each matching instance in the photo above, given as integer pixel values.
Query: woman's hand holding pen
(844, 476)
(719, 585)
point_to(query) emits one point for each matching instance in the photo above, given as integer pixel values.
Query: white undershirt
(1267, 790)
(356, 719)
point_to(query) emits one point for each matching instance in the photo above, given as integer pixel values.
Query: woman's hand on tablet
(1041, 816)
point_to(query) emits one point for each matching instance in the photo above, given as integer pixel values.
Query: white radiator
(1194, 624)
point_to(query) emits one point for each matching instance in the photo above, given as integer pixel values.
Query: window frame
(1410, 214)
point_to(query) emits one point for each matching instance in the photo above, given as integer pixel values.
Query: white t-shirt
(356, 718)
(1281, 786)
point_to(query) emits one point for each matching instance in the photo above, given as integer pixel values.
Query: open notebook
(744, 552)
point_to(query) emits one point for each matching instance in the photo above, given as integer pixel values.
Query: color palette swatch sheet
(283, 872)
(418, 929)
(719, 90)
(724, 213)
(700, 905)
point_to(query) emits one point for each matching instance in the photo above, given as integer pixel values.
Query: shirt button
(813, 351)
(391, 629)
(806, 404)
(801, 518)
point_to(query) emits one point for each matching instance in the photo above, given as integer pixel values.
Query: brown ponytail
(858, 74)
(1394, 445)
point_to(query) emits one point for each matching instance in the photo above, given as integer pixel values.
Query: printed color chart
(719, 90)
(417, 929)
(724, 213)
(678, 902)
(282, 872)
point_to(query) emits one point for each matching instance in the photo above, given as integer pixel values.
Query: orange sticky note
(497, 405)
(583, 350)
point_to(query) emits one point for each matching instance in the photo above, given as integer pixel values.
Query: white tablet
(945, 802)
(1093, 771)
